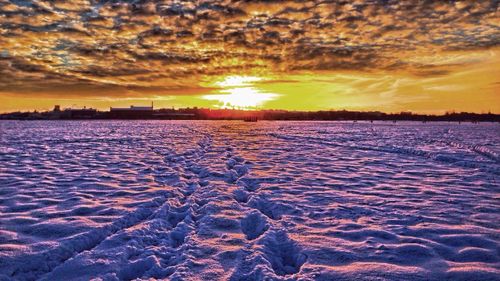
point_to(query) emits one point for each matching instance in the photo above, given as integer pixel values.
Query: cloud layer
(171, 47)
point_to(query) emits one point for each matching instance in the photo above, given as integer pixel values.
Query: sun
(240, 92)
(238, 81)
(241, 98)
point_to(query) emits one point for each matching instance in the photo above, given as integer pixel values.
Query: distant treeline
(247, 115)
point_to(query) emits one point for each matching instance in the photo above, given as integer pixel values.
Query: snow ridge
(178, 200)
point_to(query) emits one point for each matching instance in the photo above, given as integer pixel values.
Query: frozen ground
(249, 201)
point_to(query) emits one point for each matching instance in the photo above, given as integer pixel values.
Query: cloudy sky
(388, 55)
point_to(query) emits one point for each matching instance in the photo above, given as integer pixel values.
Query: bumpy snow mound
(253, 225)
(249, 201)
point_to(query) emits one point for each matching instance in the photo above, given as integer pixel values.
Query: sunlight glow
(241, 97)
(238, 81)
(240, 92)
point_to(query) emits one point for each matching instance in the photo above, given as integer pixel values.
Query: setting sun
(240, 92)
(241, 98)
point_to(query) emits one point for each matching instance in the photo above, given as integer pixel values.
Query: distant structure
(71, 113)
(148, 112)
(84, 113)
(132, 108)
(132, 112)
(250, 119)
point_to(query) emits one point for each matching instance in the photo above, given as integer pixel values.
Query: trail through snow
(195, 200)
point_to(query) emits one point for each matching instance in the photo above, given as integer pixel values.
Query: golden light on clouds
(425, 56)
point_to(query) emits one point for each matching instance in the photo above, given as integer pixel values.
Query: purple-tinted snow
(209, 200)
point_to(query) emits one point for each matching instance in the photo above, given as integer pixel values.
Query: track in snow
(240, 201)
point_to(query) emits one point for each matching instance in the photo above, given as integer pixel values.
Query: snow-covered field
(215, 200)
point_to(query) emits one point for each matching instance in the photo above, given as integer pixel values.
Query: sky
(386, 55)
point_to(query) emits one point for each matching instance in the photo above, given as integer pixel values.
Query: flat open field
(194, 200)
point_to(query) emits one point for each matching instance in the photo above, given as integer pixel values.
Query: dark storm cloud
(103, 42)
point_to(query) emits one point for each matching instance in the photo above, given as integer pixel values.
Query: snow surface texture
(249, 201)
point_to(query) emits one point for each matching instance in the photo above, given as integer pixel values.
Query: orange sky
(421, 56)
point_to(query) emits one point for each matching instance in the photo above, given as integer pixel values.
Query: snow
(204, 200)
